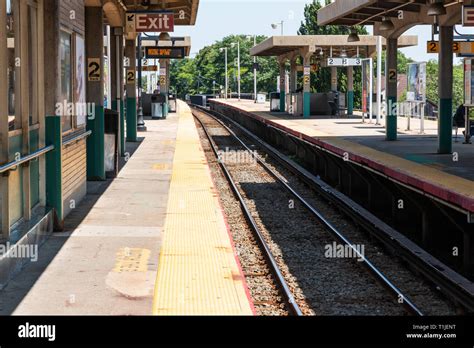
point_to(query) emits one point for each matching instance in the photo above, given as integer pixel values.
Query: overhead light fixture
(343, 54)
(353, 36)
(386, 25)
(164, 36)
(436, 8)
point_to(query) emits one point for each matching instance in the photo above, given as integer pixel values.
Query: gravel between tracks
(263, 290)
(428, 299)
(322, 285)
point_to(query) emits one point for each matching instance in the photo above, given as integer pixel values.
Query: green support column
(306, 104)
(95, 95)
(54, 182)
(95, 145)
(122, 128)
(131, 91)
(392, 83)
(350, 90)
(131, 120)
(307, 84)
(282, 86)
(282, 101)
(445, 86)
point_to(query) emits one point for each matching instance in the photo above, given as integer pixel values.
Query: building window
(66, 79)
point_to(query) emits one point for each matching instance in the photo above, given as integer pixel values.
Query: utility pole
(255, 70)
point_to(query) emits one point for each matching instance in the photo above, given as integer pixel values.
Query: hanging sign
(164, 52)
(344, 62)
(140, 22)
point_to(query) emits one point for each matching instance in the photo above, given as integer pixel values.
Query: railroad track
(237, 177)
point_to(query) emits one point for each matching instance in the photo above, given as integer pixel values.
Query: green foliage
(310, 25)
(432, 83)
(192, 76)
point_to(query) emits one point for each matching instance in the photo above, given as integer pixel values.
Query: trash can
(275, 101)
(172, 103)
(111, 143)
(157, 106)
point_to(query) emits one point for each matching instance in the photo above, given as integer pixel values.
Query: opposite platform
(412, 161)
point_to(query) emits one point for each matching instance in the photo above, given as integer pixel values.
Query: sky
(220, 18)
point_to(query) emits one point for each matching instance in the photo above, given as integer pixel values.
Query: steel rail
(291, 303)
(398, 294)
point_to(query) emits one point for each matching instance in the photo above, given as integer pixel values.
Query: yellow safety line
(198, 273)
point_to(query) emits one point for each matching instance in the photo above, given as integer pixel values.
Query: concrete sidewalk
(106, 263)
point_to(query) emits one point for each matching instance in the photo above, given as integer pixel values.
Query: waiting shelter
(314, 51)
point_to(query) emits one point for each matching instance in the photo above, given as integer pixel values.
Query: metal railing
(76, 138)
(31, 157)
(12, 165)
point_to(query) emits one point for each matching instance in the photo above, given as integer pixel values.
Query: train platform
(412, 161)
(152, 241)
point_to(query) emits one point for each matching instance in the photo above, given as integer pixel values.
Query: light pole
(275, 25)
(238, 66)
(224, 49)
(254, 69)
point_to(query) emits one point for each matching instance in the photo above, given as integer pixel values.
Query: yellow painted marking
(198, 273)
(132, 260)
(162, 166)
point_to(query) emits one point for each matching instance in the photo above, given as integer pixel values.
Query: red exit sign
(151, 22)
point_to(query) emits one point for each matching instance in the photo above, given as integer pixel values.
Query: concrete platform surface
(106, 261)
(412, 160)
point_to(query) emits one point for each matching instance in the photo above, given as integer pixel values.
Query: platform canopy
(372, 12)
(287, 45)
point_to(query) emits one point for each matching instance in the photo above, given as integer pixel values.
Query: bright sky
(220, 18)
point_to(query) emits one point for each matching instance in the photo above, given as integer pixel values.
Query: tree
(432, 83)
(207, 69)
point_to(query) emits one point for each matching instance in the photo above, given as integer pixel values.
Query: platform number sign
(130, 76)
(433, 47)
(392, 75)
(93, 70)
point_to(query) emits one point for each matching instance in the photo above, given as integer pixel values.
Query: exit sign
(468, 16)
(150, 22)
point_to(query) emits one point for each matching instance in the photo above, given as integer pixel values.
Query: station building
(68, 64)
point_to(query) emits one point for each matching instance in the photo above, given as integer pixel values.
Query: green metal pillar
(392, 83)
(131, 91)
(307, 86)
(54, 182)
(282, 86)
(95, 95)
(96, 145)
(131, 119)
(350, 90)
(445, 86)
